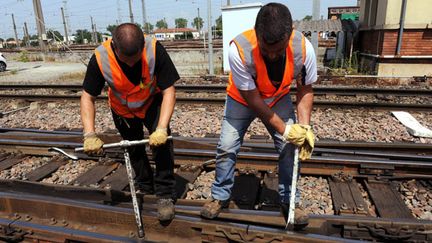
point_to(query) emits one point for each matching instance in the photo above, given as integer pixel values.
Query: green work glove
(306, 149)
(296, 133)
(92, 144)
(158, 137)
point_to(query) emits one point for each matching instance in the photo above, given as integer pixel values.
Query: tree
(180, 23)
(307, 17)
(198, 23)
(80, 35)
(111, 28)
(162, 24)
(1, 40)
(219, 26)
(10, 39)
(148, 27)
(55, 35)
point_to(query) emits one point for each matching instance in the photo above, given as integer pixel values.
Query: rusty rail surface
(30, 210)
(89, 215)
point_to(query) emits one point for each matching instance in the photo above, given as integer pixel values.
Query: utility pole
(40, 24)
(16, 34)
(146, 30)
(130, 12)
(228, 2)
(65, 27)
(199, 24)
(96, 34)
(26, 34)
(315, 16)
(210, 38)
(119, 19)
(93, 30)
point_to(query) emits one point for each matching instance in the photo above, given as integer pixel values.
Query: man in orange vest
(264, 61)
(140, 77)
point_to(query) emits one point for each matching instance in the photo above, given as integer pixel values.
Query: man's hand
(296, 133)
(308, 146)
(158, 137)
(92, 144)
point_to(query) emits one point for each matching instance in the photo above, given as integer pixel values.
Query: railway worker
(140, 76)
(264, 62)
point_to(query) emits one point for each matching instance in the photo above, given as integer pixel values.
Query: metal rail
(220, 101)
(319, 90)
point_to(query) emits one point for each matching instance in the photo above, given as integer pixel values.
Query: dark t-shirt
(165, 72)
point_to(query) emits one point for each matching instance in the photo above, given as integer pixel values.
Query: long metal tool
(125, 144)
(290, 221)
(5, 113)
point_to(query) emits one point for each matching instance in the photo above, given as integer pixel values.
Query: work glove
(158, 137)
(305, 150)
(296, 133)
(92, 144)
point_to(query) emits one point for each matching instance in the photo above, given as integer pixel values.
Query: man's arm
(88, 111)
(305, 98)
(305, 94)
(167, 107)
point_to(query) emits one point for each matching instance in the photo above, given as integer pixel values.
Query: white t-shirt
(244, 81)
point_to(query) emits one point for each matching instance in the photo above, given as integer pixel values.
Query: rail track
(384, 99)
(95, 206)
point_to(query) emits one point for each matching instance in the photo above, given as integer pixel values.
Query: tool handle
(121, 144)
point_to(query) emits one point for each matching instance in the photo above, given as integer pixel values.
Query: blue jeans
(236, 121)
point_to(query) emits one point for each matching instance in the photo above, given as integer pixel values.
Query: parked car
(3, 63)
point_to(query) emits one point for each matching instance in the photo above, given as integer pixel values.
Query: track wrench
(122, 144)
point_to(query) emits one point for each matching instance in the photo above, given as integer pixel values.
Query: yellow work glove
(92, 144)
(158, 137)
(296, 133)
(306, 149)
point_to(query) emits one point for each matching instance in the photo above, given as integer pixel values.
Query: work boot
(165, 208)
(211, 209)
(301, 219)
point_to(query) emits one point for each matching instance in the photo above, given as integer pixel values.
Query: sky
(106, 12)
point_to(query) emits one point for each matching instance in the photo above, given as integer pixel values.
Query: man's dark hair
(273, 22)
(128, 39)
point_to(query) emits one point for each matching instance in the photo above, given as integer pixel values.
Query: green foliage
(10, 39)
(307, 17)
(111, 28)
(198, 23)
(55, 35)
(24, 57)
(148, 27)
(80, 35)
(345, 67)
(219, 26)
(181, 23)
(162, 24)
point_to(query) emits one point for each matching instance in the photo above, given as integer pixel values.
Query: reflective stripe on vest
(108, 76)
(246, 51)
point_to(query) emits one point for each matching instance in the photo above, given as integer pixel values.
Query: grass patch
(72, 76)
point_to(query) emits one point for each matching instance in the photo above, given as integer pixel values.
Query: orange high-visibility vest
(125, 98)
(249, 52)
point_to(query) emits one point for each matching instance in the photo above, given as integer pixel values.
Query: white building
(175, 33)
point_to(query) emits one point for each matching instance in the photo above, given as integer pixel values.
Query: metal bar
(290, 221)
(121, 144)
